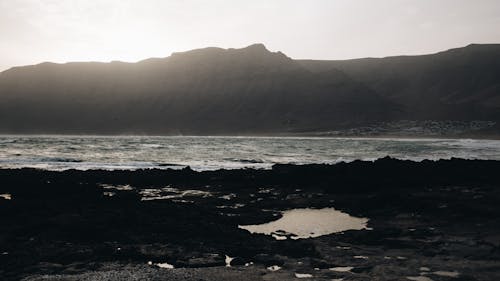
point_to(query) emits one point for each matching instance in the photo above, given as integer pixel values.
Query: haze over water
(210, 153)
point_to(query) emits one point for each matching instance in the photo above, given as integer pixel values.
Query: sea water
(210, 153)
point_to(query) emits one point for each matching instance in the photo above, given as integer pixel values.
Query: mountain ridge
(248, 91)
(471, 45)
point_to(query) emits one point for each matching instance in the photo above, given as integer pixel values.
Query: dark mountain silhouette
(248, 91)
(458, 84)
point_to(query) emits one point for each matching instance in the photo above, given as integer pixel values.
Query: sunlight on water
(6, 196)
(210, 153)
(165, 265)
(342, 268)
(308, 223)
(303, 275)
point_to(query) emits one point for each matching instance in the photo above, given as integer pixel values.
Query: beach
(428, 219)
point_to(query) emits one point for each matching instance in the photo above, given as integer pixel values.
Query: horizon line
(231, 48)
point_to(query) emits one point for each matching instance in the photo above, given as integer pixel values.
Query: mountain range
(214, 91)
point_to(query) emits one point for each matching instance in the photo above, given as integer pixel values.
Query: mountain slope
(252, 91)
(458, 84)
(206, 91)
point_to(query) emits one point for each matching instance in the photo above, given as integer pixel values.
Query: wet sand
(426, 220)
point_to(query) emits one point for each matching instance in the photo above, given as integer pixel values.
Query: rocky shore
(429, 220)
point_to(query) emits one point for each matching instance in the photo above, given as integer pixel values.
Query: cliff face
(248, 91)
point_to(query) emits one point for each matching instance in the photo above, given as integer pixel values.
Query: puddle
(303, 275)
(6, 196)
(418, 278)
(228, 261)
(228, 196)
(426, 271)
(109, 193)
(165, 265)
(279, 236)
(308, 223)
(342, 268)
(171, 193)
(265, 190)
(125, 187)
(274, 268)
(446, 273)
(182, 201)
(110, 190)
(235, 206)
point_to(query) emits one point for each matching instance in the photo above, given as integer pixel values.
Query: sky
(34, 31)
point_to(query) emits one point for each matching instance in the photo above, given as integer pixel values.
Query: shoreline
(486, 137)
(66, 225)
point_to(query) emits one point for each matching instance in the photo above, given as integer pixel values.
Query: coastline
(309, 135)
(440, 215)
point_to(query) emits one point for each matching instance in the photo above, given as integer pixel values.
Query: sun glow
(33, 31)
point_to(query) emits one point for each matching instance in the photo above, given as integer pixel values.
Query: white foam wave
(212, 153)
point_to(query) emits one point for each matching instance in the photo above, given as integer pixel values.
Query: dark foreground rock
(437, 220)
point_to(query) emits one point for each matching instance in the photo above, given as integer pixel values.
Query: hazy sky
(33, 31)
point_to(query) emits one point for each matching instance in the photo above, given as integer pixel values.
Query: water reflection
(308, 223)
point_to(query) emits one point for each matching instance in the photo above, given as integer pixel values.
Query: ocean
(211, 153)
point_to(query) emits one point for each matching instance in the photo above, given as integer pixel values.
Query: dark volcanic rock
(437, 214)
